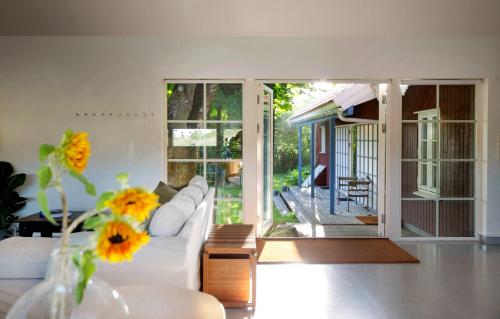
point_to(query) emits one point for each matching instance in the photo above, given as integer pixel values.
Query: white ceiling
(252, 18)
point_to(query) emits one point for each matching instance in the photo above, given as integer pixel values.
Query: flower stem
(80, 219)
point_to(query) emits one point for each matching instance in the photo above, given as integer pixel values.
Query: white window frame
(425, 117)
(203, 123)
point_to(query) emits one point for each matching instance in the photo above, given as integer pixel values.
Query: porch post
(331, 166)
(313, 137)
(300, 156)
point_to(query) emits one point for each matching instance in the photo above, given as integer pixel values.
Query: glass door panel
(267, 156)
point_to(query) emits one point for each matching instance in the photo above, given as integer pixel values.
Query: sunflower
(77, 151)
(135, 202)
(118, 241)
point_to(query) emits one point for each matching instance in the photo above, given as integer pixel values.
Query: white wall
(44, 81)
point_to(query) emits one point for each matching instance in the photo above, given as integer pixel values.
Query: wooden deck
(317, 210)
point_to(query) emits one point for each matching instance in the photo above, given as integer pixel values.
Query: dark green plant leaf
(44, 206)
(44, 151)
(89, 187)
(14, 182)
(6, 170)
(44, 175)
(100, 204)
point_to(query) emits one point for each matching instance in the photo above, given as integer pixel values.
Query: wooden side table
(229, 265)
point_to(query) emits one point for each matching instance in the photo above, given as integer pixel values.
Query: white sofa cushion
(200, 182)
(184, 203)
(194, 192)
(167, 221)
(25, 257)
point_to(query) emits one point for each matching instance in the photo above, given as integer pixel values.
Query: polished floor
(453, 280)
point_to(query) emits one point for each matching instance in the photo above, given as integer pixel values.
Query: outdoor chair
(352, 187)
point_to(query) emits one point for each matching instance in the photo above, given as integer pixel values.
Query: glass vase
(54, 298)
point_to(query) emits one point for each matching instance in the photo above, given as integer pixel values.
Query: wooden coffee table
(229, 265)
(40, 227)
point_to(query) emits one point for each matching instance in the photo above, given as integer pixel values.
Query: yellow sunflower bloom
(118, 241)
(77, 151)
(135, 202)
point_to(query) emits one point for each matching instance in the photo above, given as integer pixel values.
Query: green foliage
(44, 175)
(281, 219)
(89, 187)
(228, 212)
(224, 102)
(290, 178)
(86, 265)
(283, 94)
(44, 151)
(286, 153)
(10, 201)
(100, 204)
(44, 206)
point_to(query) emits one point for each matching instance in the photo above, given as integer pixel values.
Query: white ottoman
(165, 302)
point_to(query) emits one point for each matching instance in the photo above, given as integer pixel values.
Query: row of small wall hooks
(103, 114)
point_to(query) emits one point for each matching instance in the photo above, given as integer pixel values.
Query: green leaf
(100, 205)
(89, 187)
(92, 222)
(87, 268)
(122, 178)
(44, 151)
(66, 136)
(44, 206)
(44, 175)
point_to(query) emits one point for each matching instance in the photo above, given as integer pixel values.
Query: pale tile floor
(453, 280)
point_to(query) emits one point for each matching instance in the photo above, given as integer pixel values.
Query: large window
(205, 137)
(439, 160)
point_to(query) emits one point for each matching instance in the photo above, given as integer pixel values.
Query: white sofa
(173, 261)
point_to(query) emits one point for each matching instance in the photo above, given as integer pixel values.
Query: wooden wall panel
(456, 218)
(420, 214)
(457, 102)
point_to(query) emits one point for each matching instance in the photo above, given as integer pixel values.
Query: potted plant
(10, 201)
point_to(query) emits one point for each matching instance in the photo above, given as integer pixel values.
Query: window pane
(418, 98)
(418, 218)
(457, 140)
(228, 141)
(456, 218)
(183, 140)
(226, 178)
(229, 212)
(224, 102)
(423, 150)
(434, 176)
(184, 101)
(423, 177)
(410, 140)
(457, 179)
(456, 102)
(179, 174)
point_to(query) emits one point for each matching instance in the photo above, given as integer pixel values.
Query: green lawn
(286, 179)
(231, 211)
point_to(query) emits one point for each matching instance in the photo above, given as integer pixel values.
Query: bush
(286, 155)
